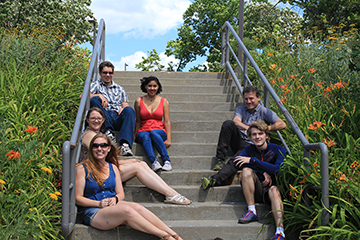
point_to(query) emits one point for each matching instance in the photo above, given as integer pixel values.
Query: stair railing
(225, 52)
(71, 149)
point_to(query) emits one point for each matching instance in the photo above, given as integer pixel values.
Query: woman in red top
(152, 124)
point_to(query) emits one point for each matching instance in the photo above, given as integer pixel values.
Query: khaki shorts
(261, 192)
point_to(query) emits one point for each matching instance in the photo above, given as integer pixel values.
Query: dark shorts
(88, 214)
(261, 192)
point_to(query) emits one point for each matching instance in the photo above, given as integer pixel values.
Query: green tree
(152, 62)
(70, 15)
(200, 34)
(327, 13)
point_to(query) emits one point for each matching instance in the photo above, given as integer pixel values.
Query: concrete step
(196, 126)
(161, 75)
(178, 177)
(187, 97)
(175, 81)
(202, 106)
(193, 192)
(181, 89)
(182, 149)
(200, 115)
(195, 137)
(188, 230)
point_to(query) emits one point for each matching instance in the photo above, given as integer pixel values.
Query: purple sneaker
(249, 216)
(278, 236)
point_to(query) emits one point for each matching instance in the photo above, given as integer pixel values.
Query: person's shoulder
(276, 147)
(80, 166)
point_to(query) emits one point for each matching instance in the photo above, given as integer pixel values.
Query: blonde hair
(259, 124)
(93, 165)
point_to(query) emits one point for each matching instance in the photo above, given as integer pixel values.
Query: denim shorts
(88, 214)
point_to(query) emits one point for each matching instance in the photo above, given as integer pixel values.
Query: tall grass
(40, 82)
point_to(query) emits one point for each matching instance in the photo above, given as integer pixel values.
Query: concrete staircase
(199, 103)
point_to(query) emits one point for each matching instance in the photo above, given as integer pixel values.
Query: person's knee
(94, 101)
(247, 173)
(129, 111)
(274, 193)
(227, 124)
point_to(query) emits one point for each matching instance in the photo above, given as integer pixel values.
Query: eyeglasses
(102, 145)
(111, 73)
(96, 119)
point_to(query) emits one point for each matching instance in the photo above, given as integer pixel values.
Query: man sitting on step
(259, 162)
(233, 132)
(113, 101)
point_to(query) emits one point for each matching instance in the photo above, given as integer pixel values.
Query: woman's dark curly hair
(145, 81)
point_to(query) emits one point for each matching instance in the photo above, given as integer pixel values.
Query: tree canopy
(200, 35)
(71, 16)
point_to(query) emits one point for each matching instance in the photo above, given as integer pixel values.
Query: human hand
(104, 101)
(167, 143)
(268, 179)
(104, 203)
(112, 201)
(241, 160)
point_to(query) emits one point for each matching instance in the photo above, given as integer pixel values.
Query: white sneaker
(156, 166)
(125, 150)
(112, 138)
(167, 166)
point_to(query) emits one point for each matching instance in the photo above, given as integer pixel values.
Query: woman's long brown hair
(93, 165)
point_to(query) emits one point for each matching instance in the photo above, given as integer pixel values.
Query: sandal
(166, 237)
(178, 199)
(176, 236)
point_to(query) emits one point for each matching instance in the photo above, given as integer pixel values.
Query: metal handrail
(225, 52)
(71, 149)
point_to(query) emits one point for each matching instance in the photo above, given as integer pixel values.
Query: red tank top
(151, 121)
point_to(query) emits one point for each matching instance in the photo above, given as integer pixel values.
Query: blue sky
(134, 27)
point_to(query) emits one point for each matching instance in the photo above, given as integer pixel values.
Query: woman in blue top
(100, 195)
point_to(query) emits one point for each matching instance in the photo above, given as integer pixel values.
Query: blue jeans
(156, 137)
(124, 123)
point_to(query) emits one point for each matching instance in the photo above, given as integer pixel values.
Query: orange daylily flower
(30, 129)
(302, 181)
(342, 177)
(282, 101)
(286, 91)
(270, 54)
(318, 124)
(312, 127)
(281, 79)
(273, 66)
(13, 154)
(272, 81)
(355, 164)
(293, 76)
(284, 86)
(319, 84)
(312, 70)
(329, 143)
(315, 164)
(339, 84)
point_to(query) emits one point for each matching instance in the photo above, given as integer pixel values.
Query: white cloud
(140, 18)
(136, 58)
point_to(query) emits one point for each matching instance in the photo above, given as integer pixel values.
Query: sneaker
(167, 166)
(125, 150)
(207, 183)
(219, 164)
(156, 166)
(112, 138)
(278, 236)
(249, 216)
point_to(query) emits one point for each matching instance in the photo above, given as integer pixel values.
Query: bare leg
(276, 206)
(146, 176)
(248, 185)
(133, 214)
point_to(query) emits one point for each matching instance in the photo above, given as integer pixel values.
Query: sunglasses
(102, 145)
(111, 73)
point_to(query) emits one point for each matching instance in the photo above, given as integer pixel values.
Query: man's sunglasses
(111, 73)
(102, 145)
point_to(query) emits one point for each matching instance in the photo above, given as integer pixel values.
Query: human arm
(119, 187)
(278, 153)
(239, 124)
(123, 105)
(137, 118)
(79, 191)
(86, 138)
(167, 123)
(277, 125)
